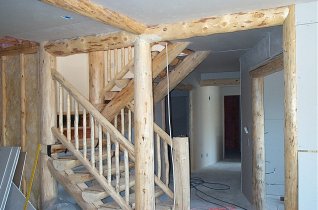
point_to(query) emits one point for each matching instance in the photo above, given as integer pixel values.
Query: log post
(259, 200)
(144, 145)
(48, 120)
(96, 77)
(181, 173)
(290, 104)
(3, 102)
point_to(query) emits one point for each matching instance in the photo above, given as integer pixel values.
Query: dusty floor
(229, 173)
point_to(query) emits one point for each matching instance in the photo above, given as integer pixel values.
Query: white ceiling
(37, 21)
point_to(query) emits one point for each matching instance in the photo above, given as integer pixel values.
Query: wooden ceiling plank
(97, 12)
(220, 24)
(90, 43)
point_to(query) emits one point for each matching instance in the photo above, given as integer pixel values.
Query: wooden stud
(290, 104)
(23, 103)
(259, 191)
(182, 173)
(96, 76)
(3, 101)
(220, 82)
(99, 13)
(220, 24)
(48, 120)
(144, 148)
(271, 66)
(90, 43)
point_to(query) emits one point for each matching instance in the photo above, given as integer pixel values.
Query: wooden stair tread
(71, 188)
(98, 188)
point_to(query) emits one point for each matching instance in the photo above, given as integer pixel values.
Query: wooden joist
(220, 24)
(271, 66)
(220, 82)
(90, 43)
(179, 73)
(127, 94)
(99, 13)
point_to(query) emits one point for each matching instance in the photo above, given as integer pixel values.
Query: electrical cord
(196, 182)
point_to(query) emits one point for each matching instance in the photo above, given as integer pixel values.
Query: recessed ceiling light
(66, 17)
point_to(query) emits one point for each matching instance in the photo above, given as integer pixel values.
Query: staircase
(94, 159)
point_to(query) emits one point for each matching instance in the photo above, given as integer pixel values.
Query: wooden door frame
(286, 61)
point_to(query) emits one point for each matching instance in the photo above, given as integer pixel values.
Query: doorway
(232, 127)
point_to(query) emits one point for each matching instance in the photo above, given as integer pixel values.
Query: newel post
(181, 172)
(48, 120)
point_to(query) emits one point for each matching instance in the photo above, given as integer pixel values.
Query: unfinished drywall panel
(266, 48)
(13, 91)
(74, 69)
(307, 100)
(274, 134)
(32, 117)
(206, 134)
(179, 113)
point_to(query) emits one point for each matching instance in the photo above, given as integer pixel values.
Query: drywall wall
(75, 70)
(274, 133)
(307, 99)
(266, 48)
(206, 132)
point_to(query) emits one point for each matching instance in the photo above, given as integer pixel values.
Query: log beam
(126, 95)
(86, 44)
(271, 66)
(290, 104)
(99, 13)
(259, 193)
(220, 24)
(219, 82)
(179, 73)
(143, 121)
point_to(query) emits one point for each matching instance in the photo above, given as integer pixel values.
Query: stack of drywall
(10, 195)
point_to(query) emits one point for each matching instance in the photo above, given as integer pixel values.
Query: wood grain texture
(178, 74)
(86, 44)
(220, 82)
(126, 95)
(96, 76)
(290, 104)
(3, 102)
(259, 192)
(47, 121)
(220, 24)
(97, 12)
(143, 121)
(271, 66)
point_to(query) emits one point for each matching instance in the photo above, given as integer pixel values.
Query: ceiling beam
(269, 67)
(97, 12)
(220, 82)
(220, 24)
(25, 48)
(90, 43)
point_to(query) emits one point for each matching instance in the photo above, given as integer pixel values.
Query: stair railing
(103, 137)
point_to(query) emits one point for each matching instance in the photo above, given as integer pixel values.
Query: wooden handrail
(94, 112)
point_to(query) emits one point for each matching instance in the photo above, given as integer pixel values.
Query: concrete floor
(226, 172)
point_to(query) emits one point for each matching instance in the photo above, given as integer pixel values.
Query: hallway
(225, 172)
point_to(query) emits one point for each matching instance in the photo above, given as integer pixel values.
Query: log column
(96, 77)
(181, 173)
(144, 148)
(48, 120)
(290, 105)
(259, 193)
